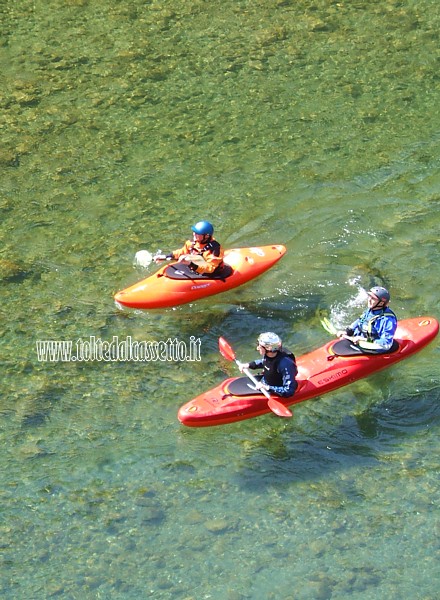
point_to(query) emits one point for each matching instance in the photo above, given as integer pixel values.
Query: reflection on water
(312, 125)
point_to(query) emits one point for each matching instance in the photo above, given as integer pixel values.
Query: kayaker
(202, 245)
(279, 367)
(374, 331)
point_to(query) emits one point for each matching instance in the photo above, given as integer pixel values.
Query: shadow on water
(360, 441)
(36, 410)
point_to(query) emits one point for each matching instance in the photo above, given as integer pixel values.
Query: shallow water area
(314, 125)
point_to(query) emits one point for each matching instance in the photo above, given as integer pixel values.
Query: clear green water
(313, 124)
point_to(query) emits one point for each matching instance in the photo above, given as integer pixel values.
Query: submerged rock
(12, 271)
(217, 525)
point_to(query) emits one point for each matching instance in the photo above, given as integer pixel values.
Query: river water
(313, 124)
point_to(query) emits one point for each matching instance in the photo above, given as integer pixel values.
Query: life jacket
(270, 367)
(212, 246)
(366, 327)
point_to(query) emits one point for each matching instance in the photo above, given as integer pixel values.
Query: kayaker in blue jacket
(279, 367)
(374, 330)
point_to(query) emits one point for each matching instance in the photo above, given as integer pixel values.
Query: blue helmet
(203, 228)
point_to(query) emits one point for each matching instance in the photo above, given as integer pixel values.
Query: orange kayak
(319, 372)
(176, 284)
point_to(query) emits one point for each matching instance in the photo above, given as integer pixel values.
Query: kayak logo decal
(424, 323)
(198, 287)
(332, 377)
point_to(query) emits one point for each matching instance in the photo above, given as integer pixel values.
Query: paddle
(275, 406)
(363, 344)
(197, 259)
(144, 258)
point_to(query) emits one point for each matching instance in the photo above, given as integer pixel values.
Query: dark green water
(312, 124)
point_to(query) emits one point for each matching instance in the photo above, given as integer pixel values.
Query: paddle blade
(279, 409)
(225, 349)
(143, 258)
(328, 326)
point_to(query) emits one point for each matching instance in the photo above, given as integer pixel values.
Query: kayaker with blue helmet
(202, 245)
(374, 331)
(279, 367)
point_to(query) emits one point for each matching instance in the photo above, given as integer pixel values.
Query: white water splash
(343, 314)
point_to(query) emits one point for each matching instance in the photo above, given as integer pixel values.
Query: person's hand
(341, 333)
(184, 259)
(243, 366)
(261, 386)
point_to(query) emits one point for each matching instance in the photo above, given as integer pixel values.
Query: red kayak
(176, 284)
(319, 372)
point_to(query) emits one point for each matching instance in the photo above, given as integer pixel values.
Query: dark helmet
(381, 293)
(270, 341)
(203, 228)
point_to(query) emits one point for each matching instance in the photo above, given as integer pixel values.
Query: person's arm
(174, 255)
(212, 262)
(350, 331)
(288, 372)
(385, 327)
(213, 259)
(186, 249)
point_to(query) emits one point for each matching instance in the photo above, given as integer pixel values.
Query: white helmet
(270, 341)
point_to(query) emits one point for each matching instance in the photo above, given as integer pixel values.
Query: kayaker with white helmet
(279, 367)
(374, 330)
(202, 245)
